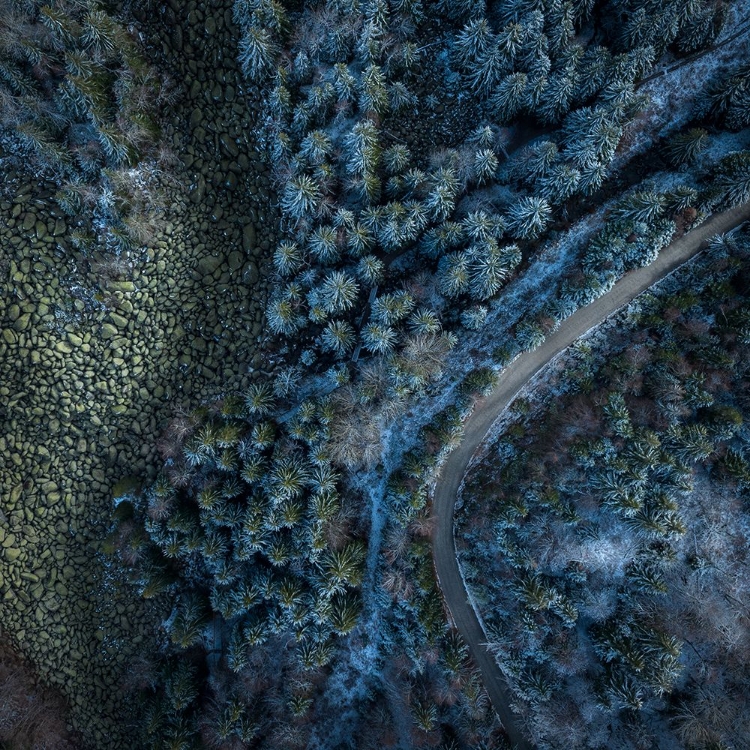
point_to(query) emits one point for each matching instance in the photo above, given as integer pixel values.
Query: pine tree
(460, 9)
(370, 270)
(535, 161)
(590, 136)
(425, 715)
(733, 178)
(490, 266)
(559, 184)
(475, 39)
(283, 316)
(259, 399)
(534, 591)
(344, 613)
(486, 69)
(592, 178)
(359, 240)
(424, 321)
(287, 258)
(338, 292)
(685, 147)
(529, 335)
(399, 97)
(594, 67)
(485, 165)
(323, 245)
(363, 145)
(344, 83)
(396, 159)
(453, 273)
(443, 191)
(528, 217)
(257, 53)
(509, 97)
(379, 339)
(474, 317)
(392, 307)
(680, 198)
(730, 94)
(302, 197)
(644, 205)
(338, 337)
(316, 146)
(484, 137)
(345, 565)
(373, 95)
(557, 97)
(479, 225)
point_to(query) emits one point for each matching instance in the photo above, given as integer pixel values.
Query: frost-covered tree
(479, 225)
(344, 83)
(680, 198)
(257, 53)
(443, 191)
(593, 71)
(301, 198)
(591, 136)
(396, 159)
(373, 91)
(643, 205)
(379, 339)
(485, 165)
(475, 39)
(487, 68)
(509, 97)
(370, 270)
(557, 97)
(461, 9)
(338, 337)
(453, 274)
(359, 240)
(283, 317)
(316, 146)
(730, 100)
(338, 292)
(392, 307)
(363, 146)
(424, 321)
(684, 148)
(592, 178)
(534, 161)
(324, 245)
(732, 179)
(490, 266)
(287, 258)
(259, 399)
(559, 183)
(474, 317)
(527, 218)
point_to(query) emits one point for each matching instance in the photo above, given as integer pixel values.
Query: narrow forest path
(512, 380)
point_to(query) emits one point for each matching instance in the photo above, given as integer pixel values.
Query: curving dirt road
(513, 378)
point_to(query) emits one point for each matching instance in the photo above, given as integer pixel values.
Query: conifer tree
(338, 337)
(509, 97)
(528, 217)
(559, 183)
(339, 291)
(454, 274)
(258, 52)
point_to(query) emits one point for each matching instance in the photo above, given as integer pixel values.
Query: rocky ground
(94, 357)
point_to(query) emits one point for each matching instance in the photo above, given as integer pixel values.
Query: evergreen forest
(268, 269)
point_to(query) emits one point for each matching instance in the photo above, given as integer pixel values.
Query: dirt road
(513, 378)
